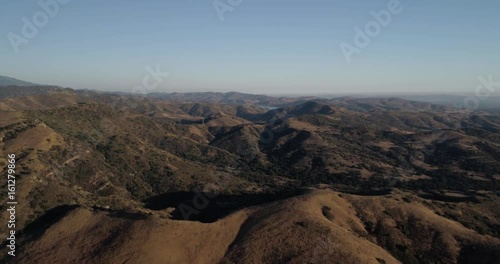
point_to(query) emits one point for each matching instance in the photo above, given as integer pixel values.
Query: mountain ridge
(7, 81)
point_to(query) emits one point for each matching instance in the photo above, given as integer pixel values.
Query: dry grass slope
(321, 226)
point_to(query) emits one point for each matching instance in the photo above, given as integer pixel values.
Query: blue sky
(273, 47)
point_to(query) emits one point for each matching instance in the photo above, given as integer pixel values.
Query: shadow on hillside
(449, 198)
(37, 228)
(121, 214)
(479, 253)
(209, 207)
(196, 122)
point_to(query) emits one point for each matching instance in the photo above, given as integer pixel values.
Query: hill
(311, 228)
(141, 160)
(14, 91)
(7, 81)
(230, 98)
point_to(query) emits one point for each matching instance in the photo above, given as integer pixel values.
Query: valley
(359, 180)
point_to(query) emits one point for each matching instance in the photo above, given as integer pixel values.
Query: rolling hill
(371, 180)
(8, 81)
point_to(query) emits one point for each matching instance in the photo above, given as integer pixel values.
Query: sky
(253, 46)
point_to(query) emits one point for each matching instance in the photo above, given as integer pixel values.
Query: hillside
(15, 91)
(9, 81)
(399, 179)
(316, 226)
(230, 98)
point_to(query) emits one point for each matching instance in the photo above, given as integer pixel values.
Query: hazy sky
(260, 46)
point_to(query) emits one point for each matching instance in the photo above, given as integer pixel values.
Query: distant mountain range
(14, 91)
(6, 81)
(10, 87)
